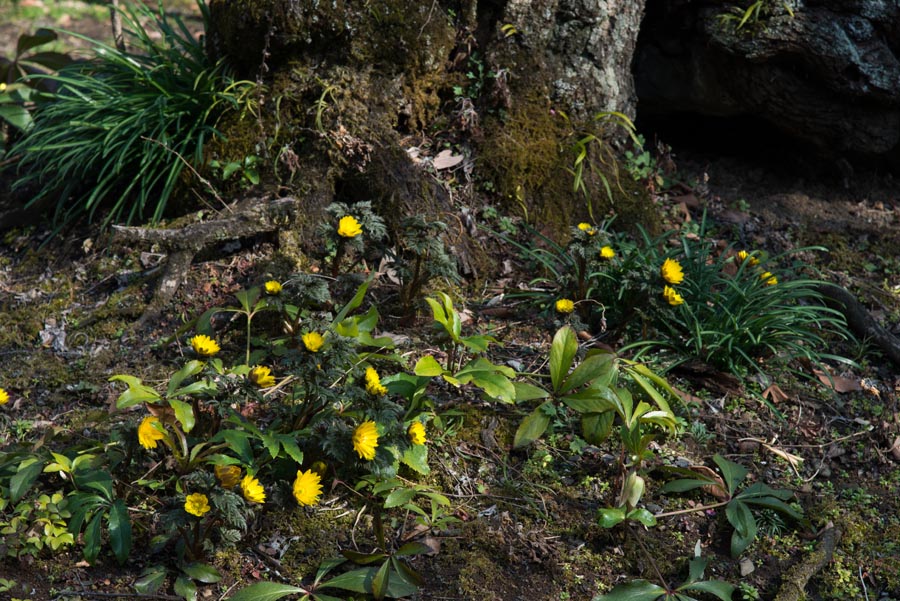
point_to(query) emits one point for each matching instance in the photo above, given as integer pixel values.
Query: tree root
(861, 323)
(181, 245)
(793, 583)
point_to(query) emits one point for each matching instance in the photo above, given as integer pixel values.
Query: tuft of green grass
(121, 127)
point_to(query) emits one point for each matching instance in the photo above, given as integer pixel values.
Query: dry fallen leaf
(446, 159)
(837, 383)
(718, 490)
(775, 394)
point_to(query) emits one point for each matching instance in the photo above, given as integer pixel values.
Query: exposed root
(793, 584)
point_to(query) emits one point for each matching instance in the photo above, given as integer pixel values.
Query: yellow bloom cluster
(365, 440)
(416, 432)
(262, 376)
(313, 341)
(228, 475)
(672, 297)
(204, 345)
(307, 488)
(770, 279)
(150, 431)
(272, 288)
(196, 504)
(587, 228)
(743, 255)
(671, 271)
(348, 227)
(607, 253)
(564, 306)
(253, 491)
(4, 397)
(373, 383)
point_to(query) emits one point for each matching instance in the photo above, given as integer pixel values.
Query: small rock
(748, 446)
(747, 567)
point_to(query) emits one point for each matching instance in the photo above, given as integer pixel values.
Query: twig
(691, 509)
(863, 582)
(116, 20)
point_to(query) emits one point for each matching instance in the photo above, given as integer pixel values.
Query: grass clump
(122, 126)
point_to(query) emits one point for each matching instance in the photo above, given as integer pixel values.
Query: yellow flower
(416, 433)
(349, 227)
(672, 297)
(607, 253)
(262, 376)
(4, 397)
(2, 87)
(373, 383)
(564, 305)
(196, 504)
(671, 271)
(204, 345)
(149, 433)
(365, 439)
(307, 487)
(743, 255)
(770, 279)
(253, 490)
(272, 287)
(313, 341)
(228, 475)
(587, 228)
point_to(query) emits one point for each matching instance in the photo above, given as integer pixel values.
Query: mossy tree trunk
(352, 86)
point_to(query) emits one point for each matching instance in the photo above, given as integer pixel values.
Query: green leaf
(685, 484)
(363, 559)
(528, 392)
(119, 530)
(26, 475)
(416, 457)
(92, 537)
(398, 497)
(356, 301)
(533, 426)
(185, 588)
(717, 588)
(266, 591)
(562, 353)
(360, 581)
(596, 427)
(238, 442)
(407, 573)
(202, 572)
(732, 473)
(136, 394)
(151, 580)
(592, 368)
(495, 385)
(40, 37)
(610, 516)
(637, 590)
(643, 516)
(428, 366)
(586, 402)
(478, 342)
(413, 548)
(191, 368)
(16, 115)
(291, 448)
(741, 518)
(381, 581)
(184, 413)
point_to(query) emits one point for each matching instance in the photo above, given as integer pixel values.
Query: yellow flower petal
(373, 383)
(204, 345)
(607, 253)
(150, 431)
(196, 504)
(564, 305)
(4, 397)
(261, 376)
(365, 439)
(587, 228)
(307, 488)
(672, 297)
(253, 490)
(349, 227)
(416, 432)
(313, 341)
(228, 475)
(272, 287)
(671, 271)
(770, 279)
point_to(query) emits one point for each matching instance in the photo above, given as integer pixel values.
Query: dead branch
(794, 582)
(860, 322)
